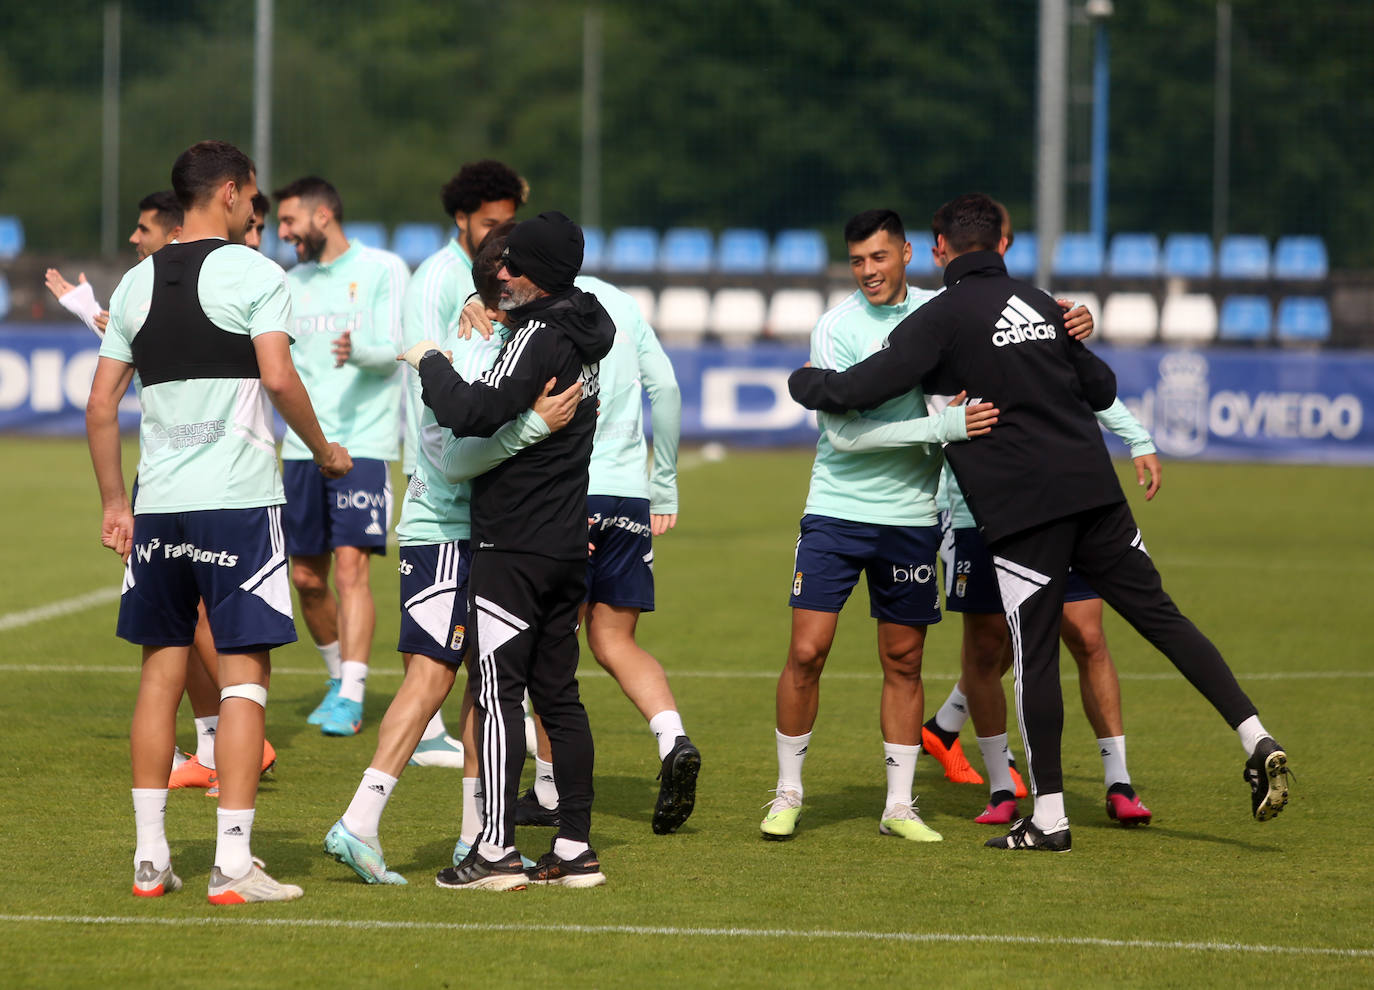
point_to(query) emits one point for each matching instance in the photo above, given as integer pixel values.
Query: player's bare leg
(152, 738)
(900, 651)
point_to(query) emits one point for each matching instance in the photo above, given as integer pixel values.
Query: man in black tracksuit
(529, 539)
(1043, 491)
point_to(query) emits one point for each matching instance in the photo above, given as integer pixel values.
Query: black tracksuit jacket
(1003, 341)
(535, 501)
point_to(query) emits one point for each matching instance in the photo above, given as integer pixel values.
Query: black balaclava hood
(547, 250)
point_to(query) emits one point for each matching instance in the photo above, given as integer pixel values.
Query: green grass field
(1273, 562)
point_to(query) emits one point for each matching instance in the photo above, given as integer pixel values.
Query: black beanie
(547, 250)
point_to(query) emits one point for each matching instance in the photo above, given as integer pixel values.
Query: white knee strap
(253, 692)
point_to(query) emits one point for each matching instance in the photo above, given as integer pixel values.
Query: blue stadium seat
(799, 252)
(632, 249)
(1300, 257)
(742, 251)
(1304, 318)
(1134, 256)
(1245, 318)
(282, 252)
(1023, 256)
(1078, 256)
(593, 248)
(415, 242)
(4, 297)
(11, 238)
(371, 234)
(1243, 256)
(1188, 256)
(686, 249)
(921, 261)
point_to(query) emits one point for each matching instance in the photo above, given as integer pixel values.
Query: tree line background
(716, 113)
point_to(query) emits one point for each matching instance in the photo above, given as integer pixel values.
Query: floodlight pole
(591, 118)
(109, 141)
(1098, 12)
(1051, 132)
(1221, 136)
(262, 93)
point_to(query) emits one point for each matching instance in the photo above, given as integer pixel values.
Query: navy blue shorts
(620, 571)
(324, 513)
(434, 600)
(971, 579)
(899, 562)
(233, 558)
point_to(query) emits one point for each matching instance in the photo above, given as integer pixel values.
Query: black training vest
(177, 341)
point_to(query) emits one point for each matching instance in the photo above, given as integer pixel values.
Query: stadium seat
(793, 313)
(683, 314)
(1134, 256)
(593, 248)
(742, 251)
(1300, 257)
(415, 242)
(11, 238)
(1078, 256)
(1023, 256)
(686, 249)
(4, 297)
(836, 297)
(1088, 299)
(1188, 318)
(1188, 256)
(1243, 256)
(644, 296)
(371, 234)
(799, 252)
(1129, 318)
(1303, 319)
(632, 249)
(921, 262)
(1245, 318)
(282, 252)
(737, 315)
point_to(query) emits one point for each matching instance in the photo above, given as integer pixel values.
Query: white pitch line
(679, 932)
(66, 606)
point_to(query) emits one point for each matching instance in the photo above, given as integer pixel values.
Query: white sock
(545, 789)
(666, 727)
(150, 825)
(1113, 751)
(330, 653)
(954, 712)
(995, 762)
(901, 771)
(791, 756)
(1251, 732)
(493, 853)
(1049, 812)
(205, 740)
(435, 728)
(472, 810)
(233, 844)
(364, 815)
(353, 676)
(569, 848)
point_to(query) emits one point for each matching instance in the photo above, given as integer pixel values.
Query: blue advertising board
(1260, 405)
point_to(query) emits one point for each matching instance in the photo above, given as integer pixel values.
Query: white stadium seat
(793, 313)
(737, 315)
(1088, 299)
(837, 296)
(1129, 318)
(644, 296)
(1188, 318)
(682, 315)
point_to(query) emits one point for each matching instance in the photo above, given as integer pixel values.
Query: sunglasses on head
(510, 265)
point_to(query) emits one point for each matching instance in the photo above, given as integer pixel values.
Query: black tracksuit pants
(524, 610)
(1106, 548)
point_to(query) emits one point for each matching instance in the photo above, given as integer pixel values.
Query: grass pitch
(1273, 563)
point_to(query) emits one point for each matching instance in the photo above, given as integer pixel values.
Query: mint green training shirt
(206, 443)
(635, 365)
(433, 300)
(894, 487)
(358, 404)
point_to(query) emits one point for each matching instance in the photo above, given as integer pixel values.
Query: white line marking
(779, 933)
(66, 606)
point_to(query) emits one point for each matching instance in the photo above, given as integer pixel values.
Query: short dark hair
(864, 225)
(261, 204)
(489, 261)
(204, 167)
(166, 210)
(314, 189)
(487, 181)
(971, 222)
